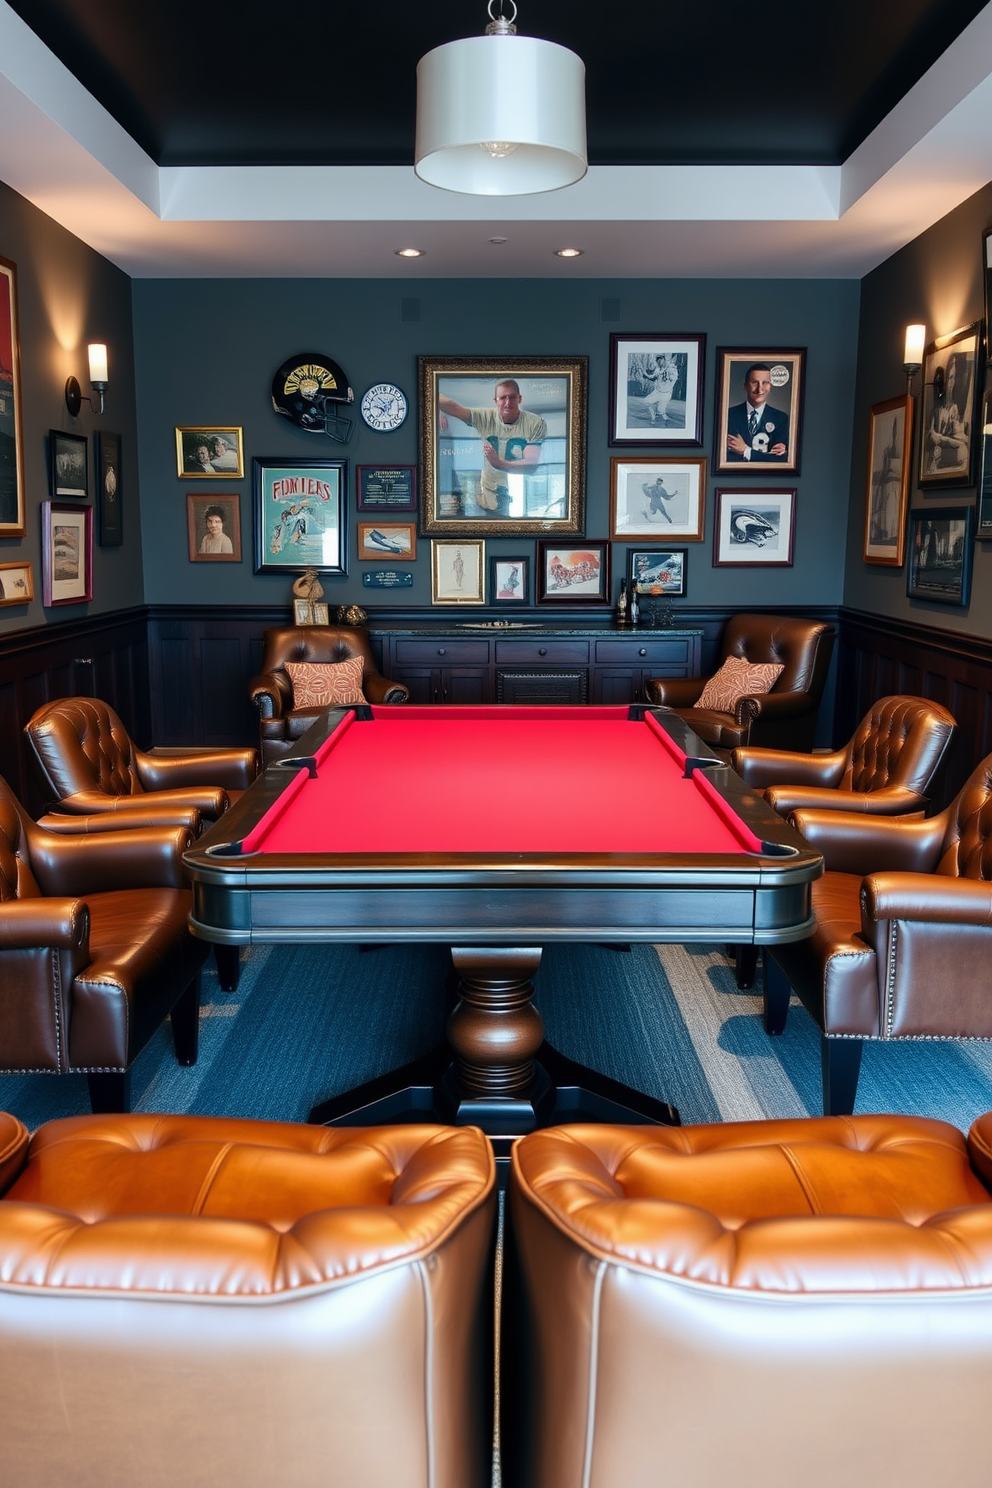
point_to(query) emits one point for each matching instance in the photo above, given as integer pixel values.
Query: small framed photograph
(66, 553)
(509, 580)
(386, 488)
(396, 541)
(68, 464)
(301, 613)
(656, 388)
(209, 453)
(109, 489)
(11, 434)
(458, 571)
(657, 573)
(754, 529)
(16, 583)
(301, 515)
(649, 497)
(575, 573)
(983, 526)
(759, 397)
(940, 553)
(889, 452)
(213, 525)
(947, 408)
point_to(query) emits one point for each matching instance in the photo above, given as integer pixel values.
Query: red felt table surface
(499, 780)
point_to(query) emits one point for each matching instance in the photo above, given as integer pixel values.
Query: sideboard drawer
(443, 653)
(537, 652)
(673, 651)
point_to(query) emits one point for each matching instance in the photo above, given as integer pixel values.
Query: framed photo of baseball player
(754, 529)
(656, 388)
(502, 445)
(656, 498)
(759, 410)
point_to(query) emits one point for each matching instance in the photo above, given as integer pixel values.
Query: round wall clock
(303, 387)
(384, 407)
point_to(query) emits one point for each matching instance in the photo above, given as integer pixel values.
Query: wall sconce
(97, 353)
(912, 357)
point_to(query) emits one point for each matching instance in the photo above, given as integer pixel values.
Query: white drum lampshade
(501, 116)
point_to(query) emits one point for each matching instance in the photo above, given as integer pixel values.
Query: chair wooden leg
(840, 1059)
(228, 959)
(185, 1021)
(747, 966)
(777, 994)
(110, 1091)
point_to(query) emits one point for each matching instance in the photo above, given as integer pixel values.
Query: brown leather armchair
(90, 764)
(280, 724)
(785, 717)
(95, 951)
(885, 769)
(902, 944)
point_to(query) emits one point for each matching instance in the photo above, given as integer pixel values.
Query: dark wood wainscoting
(879, 656)
(201, 661)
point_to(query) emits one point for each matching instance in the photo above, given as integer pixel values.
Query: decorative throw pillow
(327, 684)
(738, 678)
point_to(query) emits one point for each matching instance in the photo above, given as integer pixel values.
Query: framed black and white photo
(656, 388)
(754, 529)
(68, 464)
(759, 410)
(889, 456)
(947, 408)
(940, 554)
(652, 497)
(502, 445)
(983, 526)
(657, 573)
(109, 489)
(573, 573)
(458, 569)
(509, 580)
(301, 515)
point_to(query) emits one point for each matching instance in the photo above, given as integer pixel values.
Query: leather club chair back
(803, 647)
(967, 851)
(900, 741)
(81, 745)
(16, 879)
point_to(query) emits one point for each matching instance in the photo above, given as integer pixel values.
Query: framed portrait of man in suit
(759, 410)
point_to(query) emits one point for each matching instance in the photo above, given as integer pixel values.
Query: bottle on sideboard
(622, 603)
(633, 608)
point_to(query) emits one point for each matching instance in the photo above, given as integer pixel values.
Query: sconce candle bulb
(912, 357)
(97, 356)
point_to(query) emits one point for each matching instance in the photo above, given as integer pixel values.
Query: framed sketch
(458, 571)
(657, 573)
(66, 553)
(301, 515)
(573, 573)
(983, 527)
(754, 529)
(16, 583)
(209, 453)
(396, 541)
(650, 497)
(947, 408)
(889, 453)
(302, 613)
(11, 435)
(109, 490)
(386, 488)
(656, 389)
(67, 464)
(940, 553)
(213, 526)
(759, 397)
(509, 580)
(502, 445)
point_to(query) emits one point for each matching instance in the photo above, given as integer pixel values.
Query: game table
(497, 831)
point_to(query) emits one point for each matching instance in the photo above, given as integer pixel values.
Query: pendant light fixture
(501, 114)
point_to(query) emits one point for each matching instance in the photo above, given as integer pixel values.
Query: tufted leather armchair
(90, 764)
(785, 717)
(885, 769)
(94, 950)
(280, 724)
(902, 944)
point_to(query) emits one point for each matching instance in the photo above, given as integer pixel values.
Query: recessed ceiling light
(569, 252)
(410, 252)
(497, 240)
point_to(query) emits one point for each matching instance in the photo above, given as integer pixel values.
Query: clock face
(384, 407)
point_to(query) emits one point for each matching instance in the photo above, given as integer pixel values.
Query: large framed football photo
(759, 410)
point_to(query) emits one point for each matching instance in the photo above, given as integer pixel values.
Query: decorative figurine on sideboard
(351, 615)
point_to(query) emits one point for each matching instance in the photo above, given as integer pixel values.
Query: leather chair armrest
(980, 1147)
(271, 693)
(379, 689)
(13, 1149)
(146, 858)
(771, 705)
(32, 924)
(871, 844)
(150, 815)
(674, 692)
(210, 801)
(933, 898)
(764, 767)
(890, 800)
(165, 769)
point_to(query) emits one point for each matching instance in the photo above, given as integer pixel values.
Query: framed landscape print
(940, 554)
(11, 437)
(754, 529)
(67, 464)
(889, 452)
(759, 398)
(16, 583)
(301, 515)
(502, 445)
(573, 573)
(386, 488)
(213, 527)
(656, 388)
(509, 580)
(109, 490)
(66, 553)
(947, 408)
(396, 541)
(206, 452)
(657, 573)
(458, 571)
(652, 497)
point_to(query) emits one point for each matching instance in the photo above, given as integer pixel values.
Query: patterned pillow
(326, 684)
(738, 678)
